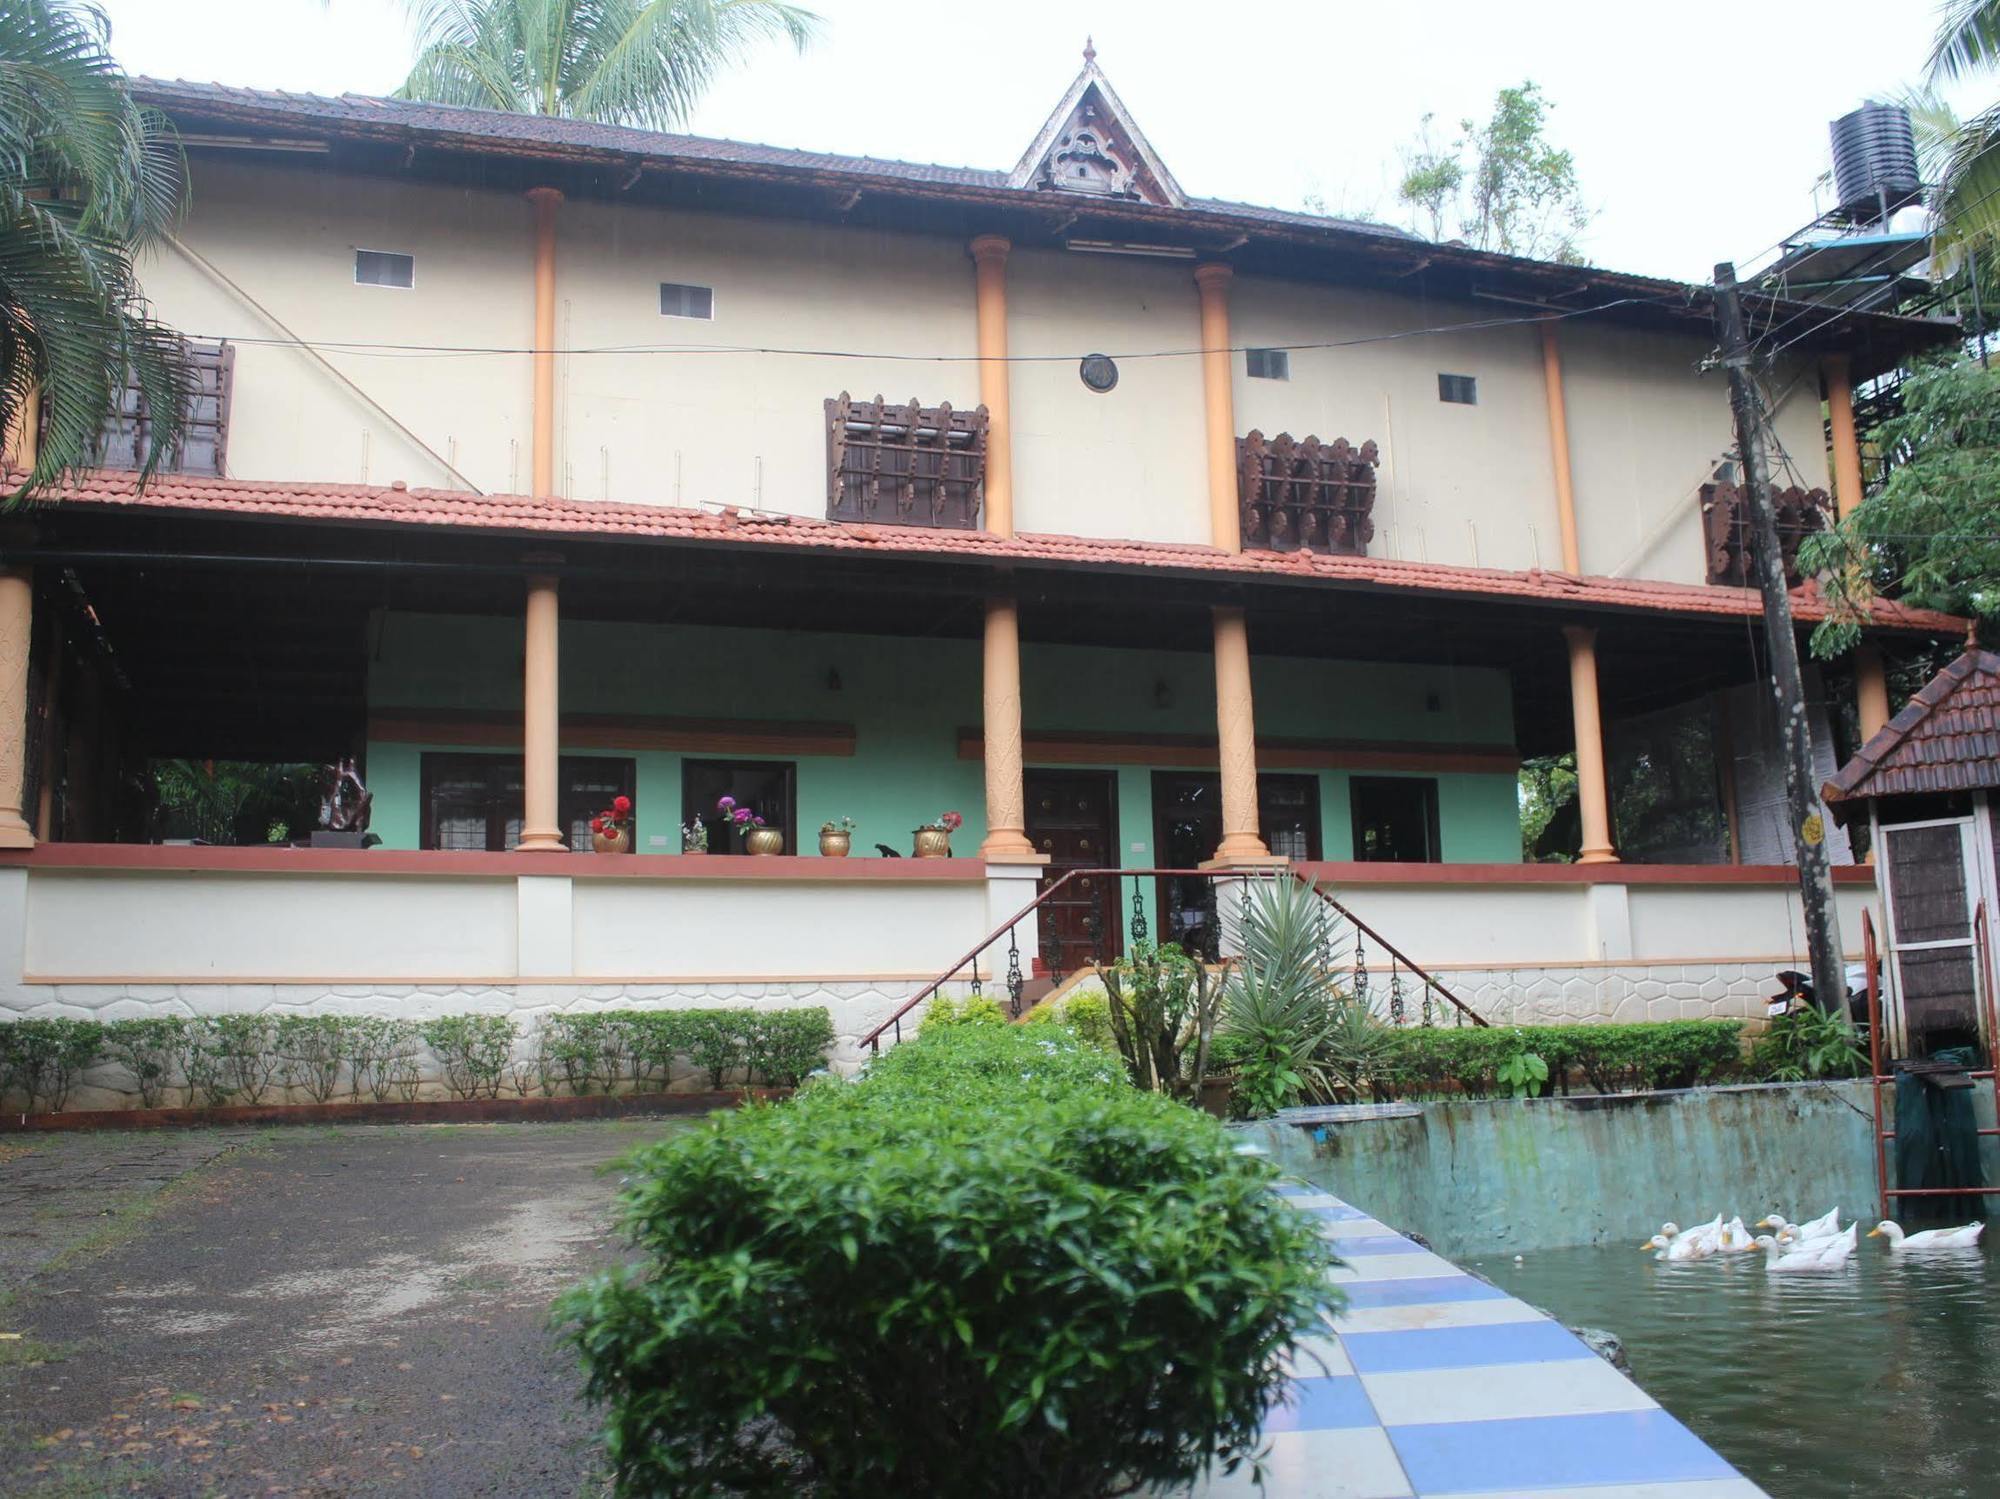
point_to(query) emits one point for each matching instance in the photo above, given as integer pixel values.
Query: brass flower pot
(619, 842)
(834, 845)
(764, 841)
(933, 843)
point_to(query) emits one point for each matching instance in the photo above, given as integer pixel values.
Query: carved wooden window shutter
(1729, 541)
(904, 465)
(204, 444)
(1306, 494)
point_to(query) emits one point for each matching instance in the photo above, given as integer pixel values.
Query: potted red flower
(611, 829)
(934, 838)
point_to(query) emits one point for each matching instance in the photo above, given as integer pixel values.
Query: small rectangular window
(1269, 364)
(384, 268)
(1460, 390)
(677, 300)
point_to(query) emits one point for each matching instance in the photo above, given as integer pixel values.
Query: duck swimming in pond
(1965, 1236)
(1823, 1227)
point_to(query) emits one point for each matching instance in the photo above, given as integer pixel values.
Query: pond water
(1881, 1378)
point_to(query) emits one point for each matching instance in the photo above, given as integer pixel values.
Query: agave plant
(87, 179)
(1282, 996)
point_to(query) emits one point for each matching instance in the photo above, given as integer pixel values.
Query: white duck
(1963, 1237)
(1823, 1227)
(1679, 1248)
(1834, 1252)
(1734, 1238)
(1811, 1257)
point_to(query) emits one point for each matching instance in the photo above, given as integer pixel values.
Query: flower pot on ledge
(834, 844)
(619, 842)
(933, 842)
(764, 841)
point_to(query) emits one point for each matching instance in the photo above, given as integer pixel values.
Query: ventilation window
(1460, 390)
(384, 268)
(1269, 364)
(677, 300)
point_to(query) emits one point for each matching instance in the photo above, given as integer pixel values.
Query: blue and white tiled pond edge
(1433, 1382)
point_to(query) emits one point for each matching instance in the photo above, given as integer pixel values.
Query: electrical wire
(389, 350)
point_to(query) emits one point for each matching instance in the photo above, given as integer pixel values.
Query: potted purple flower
(743, 819)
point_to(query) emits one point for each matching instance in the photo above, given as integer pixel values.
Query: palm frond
(1968, 40)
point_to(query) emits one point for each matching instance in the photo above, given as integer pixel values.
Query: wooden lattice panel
(1726, 530)
(908, 465)
(1303, 494)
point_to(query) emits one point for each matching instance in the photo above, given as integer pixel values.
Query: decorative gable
(1947, 738)
(1091, 146)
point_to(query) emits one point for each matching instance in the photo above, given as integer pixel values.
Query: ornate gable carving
(1090, 146)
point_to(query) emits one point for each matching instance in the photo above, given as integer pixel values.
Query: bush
(311, 1051)
(43, 1058)
(150, 1049)
(1808, 1043)
(1085, 1018)
(382, 1057)
(473, 1050)
(1601, 1058)
(988, 1268)
(974, 1009)
(785, 1046)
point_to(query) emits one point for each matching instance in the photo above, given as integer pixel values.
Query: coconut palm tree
(620, 62)
(1968, 194)
(87, 178)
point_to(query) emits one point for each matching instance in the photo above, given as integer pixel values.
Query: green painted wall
(908, 696)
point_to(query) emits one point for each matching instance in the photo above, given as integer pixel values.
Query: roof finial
(1089, 53)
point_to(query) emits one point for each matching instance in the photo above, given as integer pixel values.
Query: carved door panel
(1071, 818)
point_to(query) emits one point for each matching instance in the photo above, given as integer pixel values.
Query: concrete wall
(711, 420)
(1511, 1176)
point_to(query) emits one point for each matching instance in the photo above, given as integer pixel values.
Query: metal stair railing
(1400, 961)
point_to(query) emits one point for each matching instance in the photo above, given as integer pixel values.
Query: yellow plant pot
(933, 843)
(619, 842)
(764, 841)
(834, 845)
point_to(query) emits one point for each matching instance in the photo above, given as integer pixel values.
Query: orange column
(1846, 446)
(1006, 796)
(1235, 713)
(1552, 386)
(541, 828)
(23, 441)
(17, 622)
(545, 201)
(1592, 789)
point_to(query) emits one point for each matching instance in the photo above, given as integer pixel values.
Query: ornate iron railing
(908, 465)
(1432, 997)
(1301, 494)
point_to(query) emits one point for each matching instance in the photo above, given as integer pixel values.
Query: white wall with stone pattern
(122, 942)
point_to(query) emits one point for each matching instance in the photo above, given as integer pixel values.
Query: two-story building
(541, 462)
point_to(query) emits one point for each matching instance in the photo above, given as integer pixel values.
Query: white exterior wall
(1459, 484)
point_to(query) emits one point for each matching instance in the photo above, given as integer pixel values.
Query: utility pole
(1808, 813)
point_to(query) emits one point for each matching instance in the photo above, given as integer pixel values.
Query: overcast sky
(1699, 128)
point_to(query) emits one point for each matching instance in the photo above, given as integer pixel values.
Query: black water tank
(1875, 161)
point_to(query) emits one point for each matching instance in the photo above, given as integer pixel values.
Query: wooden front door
(1071, 818)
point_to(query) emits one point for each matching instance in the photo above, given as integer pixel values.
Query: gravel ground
(300, 1311)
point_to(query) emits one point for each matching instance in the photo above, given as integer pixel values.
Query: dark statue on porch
(344, 805)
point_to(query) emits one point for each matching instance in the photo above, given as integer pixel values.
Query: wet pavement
(300, 1311)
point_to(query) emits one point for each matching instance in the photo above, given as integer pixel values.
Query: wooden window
(204, 444)
(1395, 819)
(1187, 827)
(385, 268)
(1725, 521)
(475, 801)
(767, 787)
(1268, 364)
(677, 299)
(1458, 390)
(1305, 495)
(904, 465)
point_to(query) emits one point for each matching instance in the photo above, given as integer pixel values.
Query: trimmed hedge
(1591, 1058)
(990, 1267)
(222, 1059)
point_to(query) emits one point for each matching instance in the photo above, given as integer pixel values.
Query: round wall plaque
(1099, 372)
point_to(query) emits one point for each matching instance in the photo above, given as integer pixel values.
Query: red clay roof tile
(456, 509)
(1947, 738)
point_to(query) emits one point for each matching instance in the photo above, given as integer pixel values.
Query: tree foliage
(1963, 161)
(1503, 185)
(620, 62)
(87, 179)
(1930, 535)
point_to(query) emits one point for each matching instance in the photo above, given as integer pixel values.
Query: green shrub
(974, 1009)
(245, 1051)
(1808, 1043)
(150, 1049)
(714, 1042)
(784, 1046)
(1601, 1058)
(653, 1040)
(473, 1050)
(988, 1268)
(382, 1057)
(311, 1051)
(579, 1050)
(1085, 1018)
(42, 1059)
(1163, 1007)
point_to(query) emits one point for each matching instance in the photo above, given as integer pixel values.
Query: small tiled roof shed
(1947, 738)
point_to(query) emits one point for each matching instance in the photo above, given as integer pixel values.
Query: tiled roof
(1947, 738)
(365, 114)
(396, 505)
